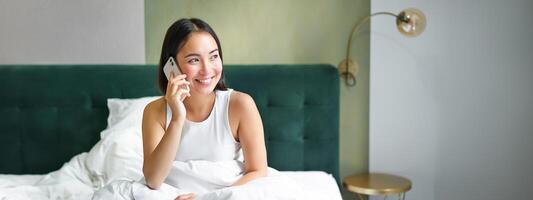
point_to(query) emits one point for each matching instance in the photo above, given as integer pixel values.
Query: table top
(376, 184)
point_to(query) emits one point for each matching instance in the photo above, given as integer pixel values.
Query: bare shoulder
(155, 110)
(241, 102)
(243, 115)
(155, 105)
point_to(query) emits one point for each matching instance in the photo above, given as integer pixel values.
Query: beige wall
(284, 32)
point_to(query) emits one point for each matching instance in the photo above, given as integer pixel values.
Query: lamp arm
(347, 74)
(358, 25)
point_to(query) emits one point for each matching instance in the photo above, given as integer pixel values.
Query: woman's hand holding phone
(177, 90)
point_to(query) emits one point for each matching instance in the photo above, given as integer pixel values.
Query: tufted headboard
(49, 113)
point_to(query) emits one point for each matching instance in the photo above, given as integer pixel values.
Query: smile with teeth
(206, 81)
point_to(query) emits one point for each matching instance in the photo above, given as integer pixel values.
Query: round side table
(377, 184)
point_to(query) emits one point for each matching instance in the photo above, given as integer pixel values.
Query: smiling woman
(226, 121)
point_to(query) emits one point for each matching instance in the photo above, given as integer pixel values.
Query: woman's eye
(195, 60)
(214, 57)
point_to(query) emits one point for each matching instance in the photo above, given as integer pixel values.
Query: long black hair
(176, 36)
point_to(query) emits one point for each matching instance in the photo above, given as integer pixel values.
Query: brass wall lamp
(410, 22)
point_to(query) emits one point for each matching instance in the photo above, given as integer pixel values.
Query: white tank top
(210, 139)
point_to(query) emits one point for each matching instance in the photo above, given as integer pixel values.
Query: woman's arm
(159, 147)
(251, 137)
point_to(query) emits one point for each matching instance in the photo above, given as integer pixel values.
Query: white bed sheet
(318, 181)
(18, 187)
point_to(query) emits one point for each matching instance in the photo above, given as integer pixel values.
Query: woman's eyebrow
(195, 54)
(192, 54)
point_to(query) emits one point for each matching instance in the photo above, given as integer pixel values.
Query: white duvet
(210, 181)
(112, 170)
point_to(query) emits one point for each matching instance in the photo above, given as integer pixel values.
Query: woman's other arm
(251, 137)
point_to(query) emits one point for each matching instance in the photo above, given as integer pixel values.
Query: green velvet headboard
(49, 113)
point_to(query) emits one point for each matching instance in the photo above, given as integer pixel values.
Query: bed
(53, 117)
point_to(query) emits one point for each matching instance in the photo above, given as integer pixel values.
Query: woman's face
(200, 60)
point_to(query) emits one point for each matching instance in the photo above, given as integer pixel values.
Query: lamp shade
(411, 22)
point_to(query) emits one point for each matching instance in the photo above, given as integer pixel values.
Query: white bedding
(117, 159)
(18, 187)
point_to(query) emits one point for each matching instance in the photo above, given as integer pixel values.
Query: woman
(199, 118)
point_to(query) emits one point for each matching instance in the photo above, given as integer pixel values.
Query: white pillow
(118, 154)
(126, 112)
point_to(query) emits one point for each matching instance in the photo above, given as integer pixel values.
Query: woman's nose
(205, 66)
